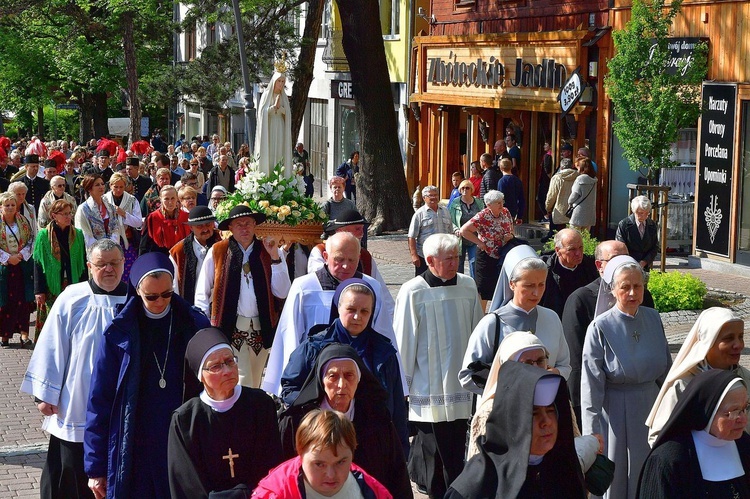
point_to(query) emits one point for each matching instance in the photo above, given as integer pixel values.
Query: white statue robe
(433, 326)
(273, 135)
(308, 305)
(59, 372)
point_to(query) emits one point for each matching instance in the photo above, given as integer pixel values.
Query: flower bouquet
(291, 217)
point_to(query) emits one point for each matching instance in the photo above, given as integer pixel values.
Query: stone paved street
(23, 444)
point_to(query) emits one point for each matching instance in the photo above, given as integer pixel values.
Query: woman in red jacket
(325, 443)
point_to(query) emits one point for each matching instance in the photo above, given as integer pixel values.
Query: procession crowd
(177, 355)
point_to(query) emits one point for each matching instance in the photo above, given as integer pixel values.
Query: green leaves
(651, 105)
(676, 291)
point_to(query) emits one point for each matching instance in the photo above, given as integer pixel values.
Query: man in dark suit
(141, 183)
(639, 232)
(36, 187)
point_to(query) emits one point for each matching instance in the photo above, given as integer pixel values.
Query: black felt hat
(241, 211)
(31, 159)
(200, 215)
(348, 217)
(132, 161)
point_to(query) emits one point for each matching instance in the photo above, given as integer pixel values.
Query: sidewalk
(23, 444)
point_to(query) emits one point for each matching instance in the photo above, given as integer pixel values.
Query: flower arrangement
(281, 199)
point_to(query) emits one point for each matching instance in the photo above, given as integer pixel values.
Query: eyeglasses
(166, 295)
(734, 415)
(217, 199)
(464, 188)
(540, 362)
(104, 265)
(219, 366)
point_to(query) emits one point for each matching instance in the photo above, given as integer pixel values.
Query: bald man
(579, 312)
(568, 270)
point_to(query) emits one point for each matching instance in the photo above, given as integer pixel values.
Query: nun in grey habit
(625, 360)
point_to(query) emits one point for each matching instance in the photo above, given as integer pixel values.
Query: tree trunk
(40, 122)
(85, 103)
(131, 75)
(303, 74)
(382, 195)
(99, 112)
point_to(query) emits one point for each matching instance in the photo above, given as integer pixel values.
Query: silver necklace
(162, 381)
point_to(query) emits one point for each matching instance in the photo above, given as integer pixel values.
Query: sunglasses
(166, 295)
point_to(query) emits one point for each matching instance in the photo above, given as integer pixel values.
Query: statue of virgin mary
(273, 135)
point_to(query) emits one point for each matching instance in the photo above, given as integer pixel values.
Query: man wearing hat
(59, 373)
(349, 221)
(138, 380)
(140, 183)
(36, 186)
(104, 170)
(187, 256)
(240, 287)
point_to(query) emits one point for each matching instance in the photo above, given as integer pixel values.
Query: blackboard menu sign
(715, 159)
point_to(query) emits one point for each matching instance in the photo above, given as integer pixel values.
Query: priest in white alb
(59, 373)
(435, 315)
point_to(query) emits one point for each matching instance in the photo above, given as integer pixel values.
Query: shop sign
(715, 158)
(681, 53)
(571, 91)
(341, 89)
(491, 73)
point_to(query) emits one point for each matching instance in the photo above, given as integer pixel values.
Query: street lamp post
(248, 91)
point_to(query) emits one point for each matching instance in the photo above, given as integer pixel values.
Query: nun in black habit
(528, 448)
(702, 451)
(224, 441)
(379, 450)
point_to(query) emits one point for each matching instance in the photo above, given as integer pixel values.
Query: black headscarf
(369, 388)
(697, 404)
(500, 468)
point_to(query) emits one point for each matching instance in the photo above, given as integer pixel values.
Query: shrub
(676, 291)
(589, 244)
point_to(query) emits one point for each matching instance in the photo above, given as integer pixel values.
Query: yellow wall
(397, 50)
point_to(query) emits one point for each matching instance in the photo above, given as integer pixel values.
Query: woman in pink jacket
(325, 442)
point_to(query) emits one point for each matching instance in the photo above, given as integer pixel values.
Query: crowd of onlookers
(182, 356)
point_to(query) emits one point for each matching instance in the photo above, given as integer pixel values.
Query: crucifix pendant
(637, 336)
(162, 383)
(230, 457)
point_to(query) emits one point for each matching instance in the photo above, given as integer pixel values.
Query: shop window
(389, 17)
(318, 146)
(685, 149)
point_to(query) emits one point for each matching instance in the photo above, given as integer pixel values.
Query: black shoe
(5, 343)
(27, 344)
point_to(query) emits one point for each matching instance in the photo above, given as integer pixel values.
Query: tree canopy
(652, 104)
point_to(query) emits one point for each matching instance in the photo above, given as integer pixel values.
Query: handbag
(599, 477)
(569, 212)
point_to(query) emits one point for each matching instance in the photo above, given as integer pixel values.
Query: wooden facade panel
(727, 27)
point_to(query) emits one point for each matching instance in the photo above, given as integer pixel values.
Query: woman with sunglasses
(138, 380)
(702, 451)
(227, 438)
